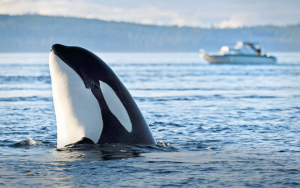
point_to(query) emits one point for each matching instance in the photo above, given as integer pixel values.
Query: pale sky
(195, 13)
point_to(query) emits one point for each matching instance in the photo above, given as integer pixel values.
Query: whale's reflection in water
(72, 165)
(108, 151)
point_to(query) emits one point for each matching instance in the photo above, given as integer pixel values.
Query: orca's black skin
(83, 140)
(92, 69)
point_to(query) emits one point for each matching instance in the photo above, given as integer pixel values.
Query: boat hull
(239, 59)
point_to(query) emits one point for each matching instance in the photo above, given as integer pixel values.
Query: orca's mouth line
(55, 53)
(66, 60)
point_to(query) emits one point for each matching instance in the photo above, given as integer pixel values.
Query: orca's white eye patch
(115, 106)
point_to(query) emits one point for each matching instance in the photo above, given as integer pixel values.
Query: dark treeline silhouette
(35, 33)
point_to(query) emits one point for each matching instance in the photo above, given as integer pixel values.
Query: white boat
(242, 53)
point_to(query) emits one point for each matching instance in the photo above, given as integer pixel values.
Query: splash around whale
(91, 103)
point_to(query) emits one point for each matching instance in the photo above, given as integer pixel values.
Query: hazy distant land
(35, 33)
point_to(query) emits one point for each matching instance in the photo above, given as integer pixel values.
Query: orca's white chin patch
(77, 110)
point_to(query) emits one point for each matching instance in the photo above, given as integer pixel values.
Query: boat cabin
(241, 48)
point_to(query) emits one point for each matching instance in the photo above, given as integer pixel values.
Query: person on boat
(258, 51)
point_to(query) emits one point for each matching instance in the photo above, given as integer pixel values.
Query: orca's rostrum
(90, 101)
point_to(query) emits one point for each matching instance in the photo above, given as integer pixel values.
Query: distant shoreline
(96, 19)
(36, 33)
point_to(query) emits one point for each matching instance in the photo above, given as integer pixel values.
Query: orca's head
(79, 78)
(77, 110)
(87, 65)
(89, 100)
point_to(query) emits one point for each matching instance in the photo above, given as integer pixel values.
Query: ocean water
(216, 125)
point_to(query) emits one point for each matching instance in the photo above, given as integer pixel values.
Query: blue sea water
(222, 125)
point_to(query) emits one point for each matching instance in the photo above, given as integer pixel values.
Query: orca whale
(91, 103)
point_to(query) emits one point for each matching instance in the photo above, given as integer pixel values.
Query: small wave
(256, 97)
(27, 142)
(179, 98)
(32, 98)
(165, 146)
